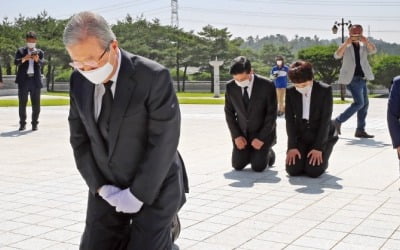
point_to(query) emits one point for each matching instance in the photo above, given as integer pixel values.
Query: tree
(326, 67)
(385, 67)
(270, 51)
(218, 41)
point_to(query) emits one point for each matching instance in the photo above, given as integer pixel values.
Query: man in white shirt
(29, 60)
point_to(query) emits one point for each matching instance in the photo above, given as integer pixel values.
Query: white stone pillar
(216, 64)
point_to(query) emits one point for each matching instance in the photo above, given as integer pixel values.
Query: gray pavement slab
(355, 205)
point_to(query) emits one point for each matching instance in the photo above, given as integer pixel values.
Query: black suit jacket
(1, 75)
(320, 115)
(23, 67)
(144, 130)
(259, 119)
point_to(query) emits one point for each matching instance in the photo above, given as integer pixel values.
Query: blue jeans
(358, 89)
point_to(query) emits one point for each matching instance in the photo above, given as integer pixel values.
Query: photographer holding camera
(29, 60)
(354, 73)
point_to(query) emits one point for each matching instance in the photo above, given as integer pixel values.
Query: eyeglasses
(93, 64)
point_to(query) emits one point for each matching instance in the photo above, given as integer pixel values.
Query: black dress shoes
(34, 127)
(363, 134)
(337, 126)
(22, 127)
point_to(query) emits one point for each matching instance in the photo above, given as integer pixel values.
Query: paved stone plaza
(355, 205)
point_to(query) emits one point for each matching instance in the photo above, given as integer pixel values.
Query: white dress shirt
(31, 63)
(100, 90)
(306, 104)
(250, 87)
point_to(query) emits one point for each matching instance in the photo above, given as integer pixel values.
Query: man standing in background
(29, 60)
(355, 72)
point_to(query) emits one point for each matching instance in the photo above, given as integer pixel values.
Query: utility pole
(334, 31)
(174, 14)
(175, 25)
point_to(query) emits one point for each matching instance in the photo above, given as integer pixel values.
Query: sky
(243, 18)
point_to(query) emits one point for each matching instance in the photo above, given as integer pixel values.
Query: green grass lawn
(341, 102)
(184, 98)
(196, 94)
(43, 102)
(57, 93)
(201, 101)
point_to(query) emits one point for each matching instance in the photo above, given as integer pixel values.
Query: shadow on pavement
(315, 185)
(246, 178)
(365, 142)
(15, 133)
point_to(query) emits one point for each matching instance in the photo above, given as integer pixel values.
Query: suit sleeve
(41, 56)
(80, 143)
(269, 125)
(393, 113)
(230, 117)
(290, 121)
(163, 138)
(18, 58)
(323, 131)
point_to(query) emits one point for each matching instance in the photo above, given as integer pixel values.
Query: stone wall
(10, 88)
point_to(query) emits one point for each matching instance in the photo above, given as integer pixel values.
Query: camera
(355, 38)
(34, 52)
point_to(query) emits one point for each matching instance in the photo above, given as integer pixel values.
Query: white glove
(124, 201)
(107, 190)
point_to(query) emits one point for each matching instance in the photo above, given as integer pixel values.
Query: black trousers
(149, 229)
(305, 144)
(24, 89)
(257, 158)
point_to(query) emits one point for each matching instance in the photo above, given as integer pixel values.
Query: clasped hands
(315, 157)
(122, 199)
(241, 143)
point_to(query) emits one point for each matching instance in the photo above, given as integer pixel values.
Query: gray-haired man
(125, 124)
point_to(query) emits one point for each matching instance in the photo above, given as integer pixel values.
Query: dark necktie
(104, 118)
(246, 98)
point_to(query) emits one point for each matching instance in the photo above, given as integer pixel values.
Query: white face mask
(31, 45)
(243, 84)
(98, 75)
(304, 90)
(279, 63)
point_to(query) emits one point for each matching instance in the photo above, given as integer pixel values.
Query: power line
(115, 7)
(325, 3)
(291, 15)
(277, 27)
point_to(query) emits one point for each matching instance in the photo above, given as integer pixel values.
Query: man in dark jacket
(250, 111)
(29, 60)
(125, 124)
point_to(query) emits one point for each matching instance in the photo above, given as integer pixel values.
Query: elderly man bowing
(125, 124)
